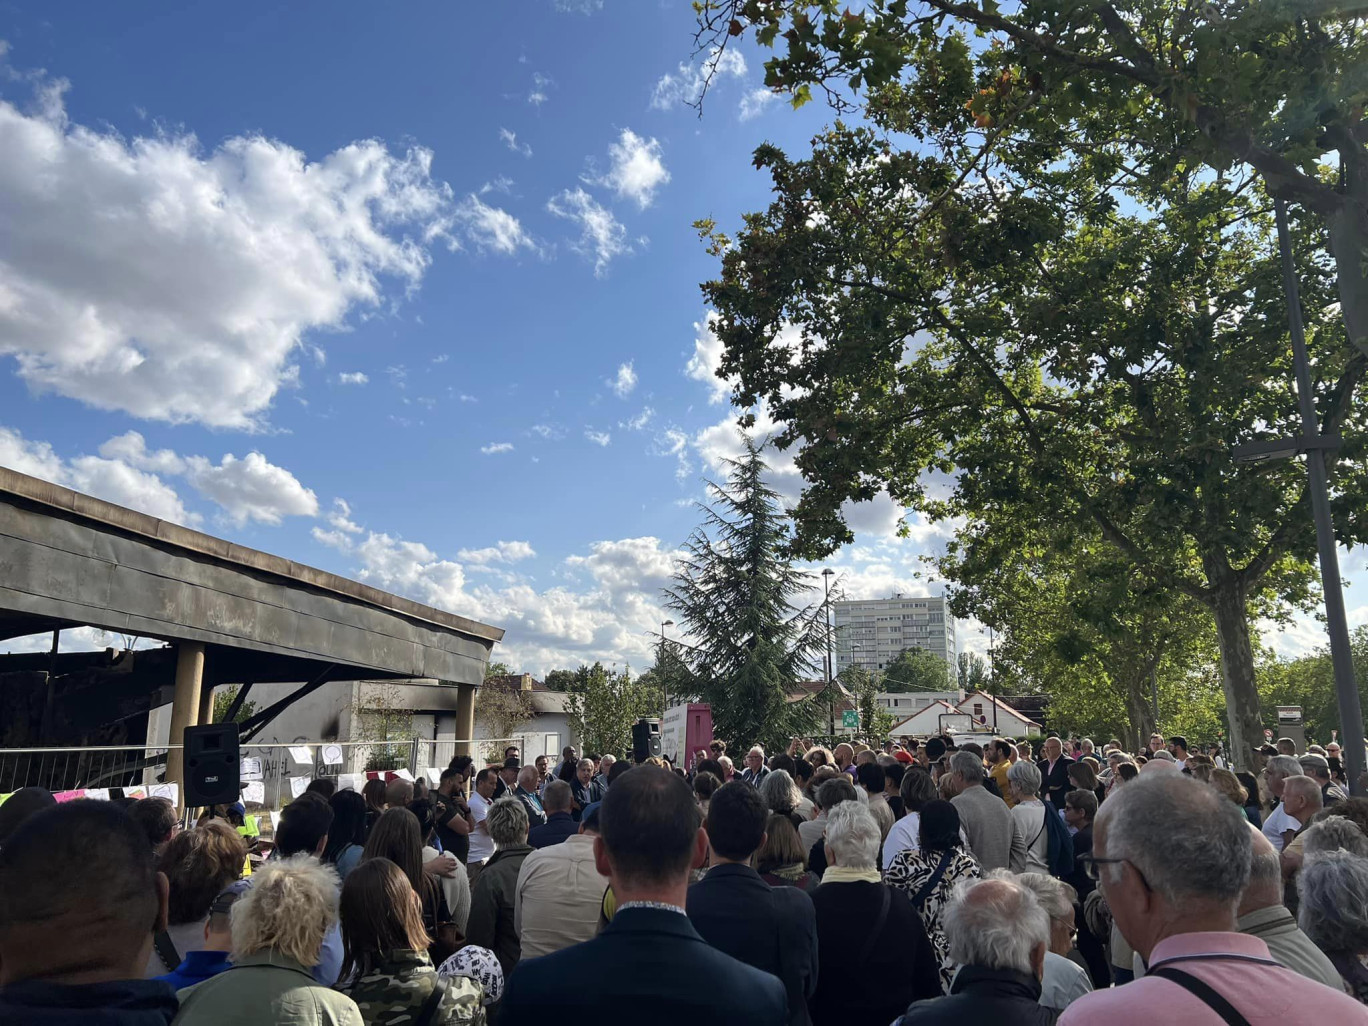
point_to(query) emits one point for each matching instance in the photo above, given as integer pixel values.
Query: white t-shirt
(481, 844)
(903, 837)
(1276, 823)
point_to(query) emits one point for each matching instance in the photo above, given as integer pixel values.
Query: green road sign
(850, 718)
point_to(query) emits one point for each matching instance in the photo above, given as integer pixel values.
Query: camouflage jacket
(393, 993)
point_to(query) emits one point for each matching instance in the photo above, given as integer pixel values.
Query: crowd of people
(915, 886)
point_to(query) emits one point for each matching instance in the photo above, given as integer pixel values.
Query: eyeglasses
(1069, 922)
(1091, 864)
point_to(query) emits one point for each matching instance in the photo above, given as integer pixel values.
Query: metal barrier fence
(281, 769)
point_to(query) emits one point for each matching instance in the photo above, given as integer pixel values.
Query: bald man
(1262, 914)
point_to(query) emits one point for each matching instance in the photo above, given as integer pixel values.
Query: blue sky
(408, 293)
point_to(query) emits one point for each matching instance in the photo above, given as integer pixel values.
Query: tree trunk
(1228, 606)
(1139, 713)
(1348, 229)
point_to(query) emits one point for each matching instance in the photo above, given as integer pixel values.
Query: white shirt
(1064, 981)
(481, 844)
(558, 897)
(903, 837)
(1274, 825)
(811, 831)
(456, 890)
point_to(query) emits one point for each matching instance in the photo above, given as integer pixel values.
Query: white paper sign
(251, 769)
(135, 792)
(332, 755)
(254, 791)
(404, 774)
(301, 754)
(355, 781)
(433, 775)
(275, 821)
(298, 785)
(100, 794)
(171, 792)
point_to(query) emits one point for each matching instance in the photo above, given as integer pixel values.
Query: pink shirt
(1243, 972)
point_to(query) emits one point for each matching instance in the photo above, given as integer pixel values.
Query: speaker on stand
(212, 765)
(645, 739)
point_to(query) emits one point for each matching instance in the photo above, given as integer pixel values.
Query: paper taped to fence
(254, 791)
(135, 792)
(298, 785)
(355, 781)
(332, 755)
(301, 753)
(250, 769)
(403, 774)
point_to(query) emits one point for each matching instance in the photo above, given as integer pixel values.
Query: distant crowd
(922, 884)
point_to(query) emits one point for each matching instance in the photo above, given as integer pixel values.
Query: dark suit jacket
(771, 928)
(647, 964)
(558, 826)
(1054, 786)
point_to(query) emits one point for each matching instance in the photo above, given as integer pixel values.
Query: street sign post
(850, 719)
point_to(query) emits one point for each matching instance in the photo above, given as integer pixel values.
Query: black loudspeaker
(645, 740)
(212, 764)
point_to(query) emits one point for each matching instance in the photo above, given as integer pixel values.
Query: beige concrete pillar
(206, 705)
(185, 706)
(465, 718)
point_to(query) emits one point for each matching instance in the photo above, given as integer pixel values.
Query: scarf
(848, 874)
(794, 871)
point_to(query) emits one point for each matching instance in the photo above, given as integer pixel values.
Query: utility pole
(826, 613)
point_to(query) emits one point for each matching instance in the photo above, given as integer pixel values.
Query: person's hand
(442, 865)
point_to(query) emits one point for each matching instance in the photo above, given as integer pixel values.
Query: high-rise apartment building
(871, 633)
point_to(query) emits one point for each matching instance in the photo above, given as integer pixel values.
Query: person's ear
(763, 838)
(163, 902)
(1038, 960)
(701, 845)
(601, 862)
(321, 846)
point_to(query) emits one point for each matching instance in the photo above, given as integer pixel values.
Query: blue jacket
(122, 1003)
(645, 958)
(196, 967)
(558, 826)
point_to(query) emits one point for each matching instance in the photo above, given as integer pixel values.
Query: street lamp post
(660, 669)
(1314, 446)
(826, 613)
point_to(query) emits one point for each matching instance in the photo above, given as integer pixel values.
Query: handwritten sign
(171, 792)
(135, 792)
(354, 781)
(69, 796)
(254, 791)
(250, 769)
(332, 755)
(99, 794)
(298, 785)
(302, 754)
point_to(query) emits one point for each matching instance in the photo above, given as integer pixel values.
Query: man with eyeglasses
(1172, 857)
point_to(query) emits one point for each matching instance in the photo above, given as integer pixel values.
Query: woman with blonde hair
(385, 968)
(780, 860)
(278, 929)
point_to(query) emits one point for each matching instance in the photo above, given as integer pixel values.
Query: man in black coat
(559, 823)
(649, 959)
(999, 934)
(734, 910)
(1054, 773)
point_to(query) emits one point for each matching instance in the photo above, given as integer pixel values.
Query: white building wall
(871, 633)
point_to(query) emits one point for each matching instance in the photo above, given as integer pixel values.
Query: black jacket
(1054, 786)
(558, 826)
(125, 1003)
(867, 976)
(771, 928)
(647, 964)
(985, 996)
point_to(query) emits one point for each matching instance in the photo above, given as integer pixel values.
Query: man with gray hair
(1278, 822)
(1172, 856)
(999, 934)
(986, 820)
(1262, 914)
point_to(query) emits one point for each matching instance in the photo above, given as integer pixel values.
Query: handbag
(1204, 993)
(446, 937)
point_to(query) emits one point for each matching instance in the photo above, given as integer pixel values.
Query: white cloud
(602, 236)
(510, 139)
(550, 432)
(640, 421)
(578, 6)
(624, 381)
(500, 552)
(252, 488)
(494, 448)
(601, 438)
(500, 183)
(340, 518)
(755, 103)
(151, 276)
(537, 95)
(111, 479)
(467, 398)
(707, 357)
(353, 378)
(132, 449)
(635, 170)
(686, 84)
(490, 227)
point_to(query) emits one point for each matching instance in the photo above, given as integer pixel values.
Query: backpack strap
(873, 936)
(1204, 993)
(166, 951)
(925, 892)
(433, 1002)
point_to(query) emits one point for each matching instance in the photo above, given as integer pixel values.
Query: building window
(978, 708)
